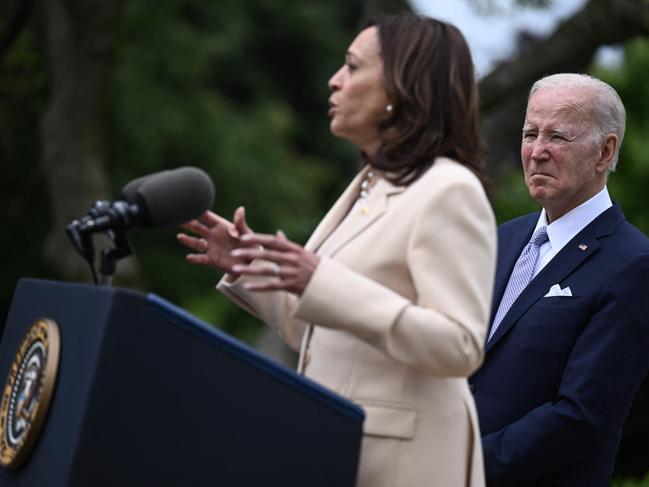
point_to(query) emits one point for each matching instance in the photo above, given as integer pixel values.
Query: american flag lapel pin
(583, 246)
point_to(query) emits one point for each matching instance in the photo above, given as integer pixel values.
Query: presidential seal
(28, 390)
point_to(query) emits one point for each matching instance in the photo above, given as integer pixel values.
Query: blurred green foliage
(239, 88)
(630, 182)
(624, 482)
(25, 217)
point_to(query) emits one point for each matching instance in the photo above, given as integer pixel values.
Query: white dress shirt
(563, 230)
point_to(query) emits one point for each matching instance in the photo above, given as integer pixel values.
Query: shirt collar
(564, 229)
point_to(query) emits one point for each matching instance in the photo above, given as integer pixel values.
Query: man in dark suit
(568, 346)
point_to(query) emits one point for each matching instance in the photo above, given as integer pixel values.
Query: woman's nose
(335, 81)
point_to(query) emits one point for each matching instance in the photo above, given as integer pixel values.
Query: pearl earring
(388, 108)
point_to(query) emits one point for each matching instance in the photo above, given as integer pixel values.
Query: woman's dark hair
(430, 82)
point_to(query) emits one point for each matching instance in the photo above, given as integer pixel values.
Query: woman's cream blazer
(394, 318)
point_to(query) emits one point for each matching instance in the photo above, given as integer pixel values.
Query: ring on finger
(275, 270)
(204, 245)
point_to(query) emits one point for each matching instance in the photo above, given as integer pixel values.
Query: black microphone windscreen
(171, 198)
(129, 191)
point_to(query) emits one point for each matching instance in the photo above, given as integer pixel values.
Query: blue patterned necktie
(521, 276)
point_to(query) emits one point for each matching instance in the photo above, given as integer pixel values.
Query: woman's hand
(292, 266)
(214, 238)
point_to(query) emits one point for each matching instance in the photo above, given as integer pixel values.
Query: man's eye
(529, 135)
(351, 66)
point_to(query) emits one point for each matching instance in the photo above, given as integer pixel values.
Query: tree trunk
(15, 15)
(374, 8)
(78, 44)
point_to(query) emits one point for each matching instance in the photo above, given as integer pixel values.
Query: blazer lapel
(580, 248)
(343, 222)
(360, 218)
(337, 212)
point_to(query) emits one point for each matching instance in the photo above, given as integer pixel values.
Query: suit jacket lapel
(357, 220)
(580, 248)
(342, 223)
(337, 212)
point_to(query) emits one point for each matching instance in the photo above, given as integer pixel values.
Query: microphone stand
(81, 234)
(110, 255)
(83, 243)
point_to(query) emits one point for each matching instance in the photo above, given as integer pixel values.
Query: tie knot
(539, 237)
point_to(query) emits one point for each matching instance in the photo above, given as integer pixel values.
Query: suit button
(472, 388)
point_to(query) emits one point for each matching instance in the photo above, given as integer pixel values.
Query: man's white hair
(609, 116)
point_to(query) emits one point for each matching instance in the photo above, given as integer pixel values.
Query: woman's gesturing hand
(292, 265)
(214, 238)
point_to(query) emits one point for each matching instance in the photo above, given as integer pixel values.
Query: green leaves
(240, 90)
(629, 183)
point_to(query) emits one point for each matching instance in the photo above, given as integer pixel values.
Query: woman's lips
(332, 109)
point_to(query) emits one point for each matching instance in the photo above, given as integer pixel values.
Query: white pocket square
(557, 291)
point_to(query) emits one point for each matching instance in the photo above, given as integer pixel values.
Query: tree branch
(17, 16)
(374, 8)
(573, 44)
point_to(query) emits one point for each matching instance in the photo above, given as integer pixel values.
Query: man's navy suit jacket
(560, 373)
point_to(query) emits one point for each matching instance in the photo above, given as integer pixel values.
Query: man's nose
(539, 149)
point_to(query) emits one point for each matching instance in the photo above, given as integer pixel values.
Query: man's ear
(606, 152)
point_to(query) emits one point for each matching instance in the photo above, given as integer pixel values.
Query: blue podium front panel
(149, 395)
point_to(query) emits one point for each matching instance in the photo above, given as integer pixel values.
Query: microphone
(130, 189)
(159, 200)
(170, 198)
(128, 192)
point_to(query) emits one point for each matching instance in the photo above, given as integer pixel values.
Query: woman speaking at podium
(388, 301)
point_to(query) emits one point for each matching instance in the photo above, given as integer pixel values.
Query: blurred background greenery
(94, 93)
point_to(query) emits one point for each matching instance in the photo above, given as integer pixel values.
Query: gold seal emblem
(28, 390)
